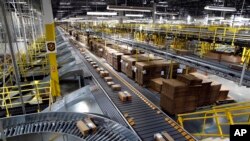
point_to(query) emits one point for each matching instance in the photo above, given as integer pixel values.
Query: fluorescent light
(102, 13)
(161, 5)
(64, 3)
(220, 8)
(133, 15)
(216, 18)
(167, 13)
(129, 8)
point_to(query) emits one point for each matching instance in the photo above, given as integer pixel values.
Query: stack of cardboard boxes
(188, 92)
(145, 71)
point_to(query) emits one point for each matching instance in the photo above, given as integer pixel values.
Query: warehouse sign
(51, 47)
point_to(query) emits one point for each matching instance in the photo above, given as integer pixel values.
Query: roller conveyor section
(215, 68)
(147, 120)
(65, 123)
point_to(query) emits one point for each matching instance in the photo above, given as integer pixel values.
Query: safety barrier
(33, 93)
(220, 117)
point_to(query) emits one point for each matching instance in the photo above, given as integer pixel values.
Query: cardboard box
(84, 129)
(178, 105)
(90, 124)
(156, 84)
(125, 96)
(145, 71)
(214, 91)
(129, 61)
(116, 62)
(223, 94)
(95, 66)
(159, 137)
(167, 136)
(173, 88)
(110, 83)
(116, 87)
(204, 95)
(93, 63)
(104, 73)
(189, 79)
(108, 79)
(213, 56)
(109, 54)
(231, 58)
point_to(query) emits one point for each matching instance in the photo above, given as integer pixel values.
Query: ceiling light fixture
(94, 13)
(133, 15)
(129, 8)
(220, 8)
(167, 13)
(64, 3)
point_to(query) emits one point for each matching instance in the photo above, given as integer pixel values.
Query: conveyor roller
(65, 123)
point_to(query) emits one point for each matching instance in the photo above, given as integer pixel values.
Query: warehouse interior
(123, 70)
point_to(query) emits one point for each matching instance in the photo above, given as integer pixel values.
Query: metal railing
(216, 122)
(33, 93)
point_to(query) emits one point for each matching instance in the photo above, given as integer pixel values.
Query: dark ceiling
(73, 8)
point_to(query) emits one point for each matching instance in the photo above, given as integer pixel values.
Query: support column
(243, 73)
(153, 13)
(51, 47)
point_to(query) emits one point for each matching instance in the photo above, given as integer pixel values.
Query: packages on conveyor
(116, 87)
(110, 83)
(90, 124)
(104, 74)
(93, 63)
(84, 129)
(108, 79)
(95, 66)
(125, 96)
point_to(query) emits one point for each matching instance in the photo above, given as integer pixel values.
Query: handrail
(9, 94)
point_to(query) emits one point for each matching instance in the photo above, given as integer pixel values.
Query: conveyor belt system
(149, 119)
(65, 123)
(213, 68)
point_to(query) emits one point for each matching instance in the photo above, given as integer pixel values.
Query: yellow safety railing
(32, 93)
(245, 55)
(218, 118)
(213, 31)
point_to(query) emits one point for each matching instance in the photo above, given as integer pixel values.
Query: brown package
(116, 87)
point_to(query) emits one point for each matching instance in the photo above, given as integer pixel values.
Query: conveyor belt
(65, 122)
(147, 120)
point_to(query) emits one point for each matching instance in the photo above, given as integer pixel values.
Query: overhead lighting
(220, 8)
(167, 13)
(102, 13)
(216, 18)
(163, 2)
(20, 2)
(133, 15)
(64, 3)
(98, 3)
(129, 8)
(161, 5)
